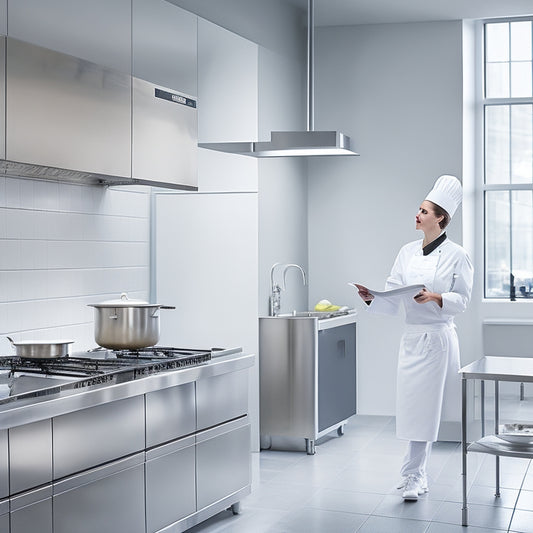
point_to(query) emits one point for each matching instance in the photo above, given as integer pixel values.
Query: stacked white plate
(518, 433)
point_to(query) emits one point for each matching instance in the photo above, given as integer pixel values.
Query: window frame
(484, 187)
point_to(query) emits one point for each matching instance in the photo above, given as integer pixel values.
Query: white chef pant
(416, 458)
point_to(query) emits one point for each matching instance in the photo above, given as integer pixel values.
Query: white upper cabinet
(164, 39)
(227, 107)
(98, 31)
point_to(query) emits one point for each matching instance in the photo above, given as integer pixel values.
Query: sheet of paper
(407, 289)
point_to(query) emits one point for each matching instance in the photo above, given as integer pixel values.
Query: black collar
(433, 244)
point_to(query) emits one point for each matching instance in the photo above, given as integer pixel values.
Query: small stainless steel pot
(41, 349)
(126, 324)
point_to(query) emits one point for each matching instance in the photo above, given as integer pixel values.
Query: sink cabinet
(307, 371)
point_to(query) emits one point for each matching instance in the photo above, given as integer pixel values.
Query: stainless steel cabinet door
(109, 499)
(223, 462)
(336, 375)
(170, 413)
(30, 456)
(221, 398)
(4, 462)
(93, 436)
(32, 511)
(67, 113)
(170, 483)
(4, 516)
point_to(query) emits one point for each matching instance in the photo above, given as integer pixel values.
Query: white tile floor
(348, 486)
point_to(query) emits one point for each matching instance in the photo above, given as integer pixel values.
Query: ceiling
(349, 12)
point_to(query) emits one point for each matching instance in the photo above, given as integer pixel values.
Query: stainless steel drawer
(4, 516)
(221, 398)
(30, 456)
(32, 511)
(109, 499)
(170, 483)
(170, 414)
(4, 463)
(93, 436)
(223, 461)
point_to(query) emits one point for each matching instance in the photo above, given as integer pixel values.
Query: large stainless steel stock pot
(126, 324)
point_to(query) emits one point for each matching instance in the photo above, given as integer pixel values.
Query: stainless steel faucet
(275, 289)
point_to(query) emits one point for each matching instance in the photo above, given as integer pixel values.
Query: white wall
(396, 89)
(63, 246)
(282, 182)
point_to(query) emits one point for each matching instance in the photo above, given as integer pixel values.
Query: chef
(428, 361)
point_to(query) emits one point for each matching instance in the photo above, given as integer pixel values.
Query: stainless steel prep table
(492, 368)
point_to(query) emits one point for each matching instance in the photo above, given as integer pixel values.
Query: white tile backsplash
(63, 246)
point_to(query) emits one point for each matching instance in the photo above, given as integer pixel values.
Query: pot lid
(124, 301)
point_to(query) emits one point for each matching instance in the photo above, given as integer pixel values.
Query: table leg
(482, 407)
(496, 431)
(464, 450)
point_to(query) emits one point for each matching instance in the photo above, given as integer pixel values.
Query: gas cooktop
(29, 377)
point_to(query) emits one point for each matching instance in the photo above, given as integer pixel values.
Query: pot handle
(10, 340)
(155, 315)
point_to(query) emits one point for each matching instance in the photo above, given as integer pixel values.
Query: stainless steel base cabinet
(108, 499)
(307, 369)
(4, 466)
(222, 461)
(4, 516)
(170, 483)
(32, 511)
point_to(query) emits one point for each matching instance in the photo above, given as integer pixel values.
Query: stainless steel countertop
(322, 323)
(33, 409)
(500, 368)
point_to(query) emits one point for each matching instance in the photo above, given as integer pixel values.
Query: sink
(314, 314)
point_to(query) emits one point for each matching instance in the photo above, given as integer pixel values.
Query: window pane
(521, 41)
(497, 144)
(497, 80)
(497, 42)
(497, 245)
(522, 239)
(521, 79)
(522, 143)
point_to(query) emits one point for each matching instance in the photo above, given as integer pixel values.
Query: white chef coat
(428, 362)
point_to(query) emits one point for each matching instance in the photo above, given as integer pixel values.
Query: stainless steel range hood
(290, 144)
(295, 143)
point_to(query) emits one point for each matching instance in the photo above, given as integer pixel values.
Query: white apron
(428, 361)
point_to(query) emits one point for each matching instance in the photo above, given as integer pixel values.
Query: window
(508, 158)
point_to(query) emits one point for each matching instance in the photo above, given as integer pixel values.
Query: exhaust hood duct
(295, 143)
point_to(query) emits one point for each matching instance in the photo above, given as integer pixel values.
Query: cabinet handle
(341, 348)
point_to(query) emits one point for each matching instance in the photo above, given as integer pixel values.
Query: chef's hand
(424, 296)
(364, 293)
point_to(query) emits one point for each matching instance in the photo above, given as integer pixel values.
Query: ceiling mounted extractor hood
(295, 143)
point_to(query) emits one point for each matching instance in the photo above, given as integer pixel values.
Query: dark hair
(440, 212)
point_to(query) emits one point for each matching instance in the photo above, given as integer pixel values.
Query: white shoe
(423, 483)
(413, 488)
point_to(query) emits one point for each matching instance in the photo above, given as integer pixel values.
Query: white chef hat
(446, 193)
